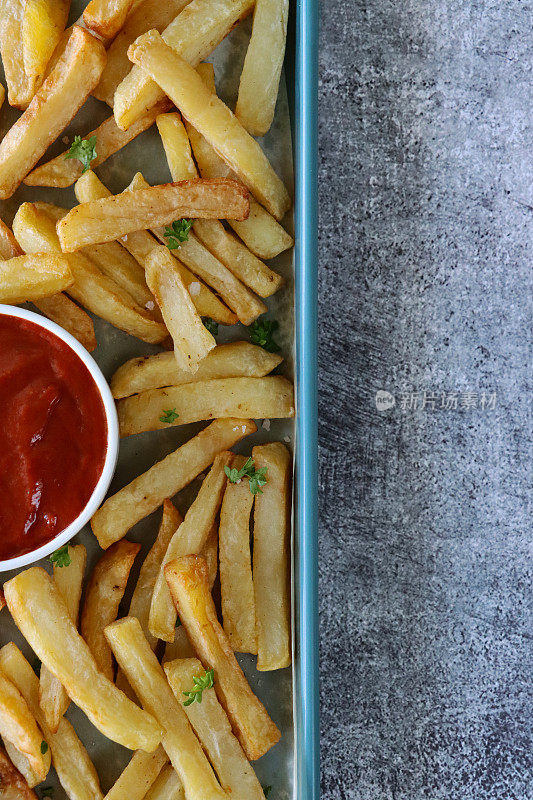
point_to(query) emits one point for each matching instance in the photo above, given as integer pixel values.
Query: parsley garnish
(178, 233)
(205, 682)
(211, 325)
(267, 790)
(256, 477)
(61, 557)
(261, 333)
(169, 415)
(44, 747)
(84, 150)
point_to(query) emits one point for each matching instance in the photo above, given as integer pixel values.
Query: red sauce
(53, 436)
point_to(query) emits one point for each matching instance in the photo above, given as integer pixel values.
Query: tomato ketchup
(53, 436)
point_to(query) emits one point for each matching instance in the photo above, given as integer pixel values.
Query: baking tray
(291, 696)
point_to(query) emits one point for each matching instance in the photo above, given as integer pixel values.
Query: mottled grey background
(425, 286)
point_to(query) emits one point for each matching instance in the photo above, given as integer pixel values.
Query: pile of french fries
(163, 680)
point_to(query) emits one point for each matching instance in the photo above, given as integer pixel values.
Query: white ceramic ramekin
(112, 441)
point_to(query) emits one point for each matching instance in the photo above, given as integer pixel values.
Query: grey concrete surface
(425, 571)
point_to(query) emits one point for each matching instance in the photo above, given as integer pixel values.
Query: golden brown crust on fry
(12, 785)
(104, 592)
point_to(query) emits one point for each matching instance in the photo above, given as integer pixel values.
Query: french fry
(52, 108)
(190, 537)
(104, 592)
(236, 587)
(235, 359)
(40, 613)
(32, 277)
(210, 552)
(143, 495)
(192, 340)
(113, 217)
(146, 676)
(271, 560)
(141, 243)
(147, 15)
(142, 596)
(187, 579)
(22, 764)
(18, 726)
(138, 776)
(258, 89)
(61, 172)
(12, 784)
(223, 245)
(193, 34)
(70, 759)
(177, 147)
(2, 94)
(106, 17)
(53, 698)
(116, 262)
(167, 786)
(212, 727)
(20, 89)
(260, 232)
(200, 261)
(2, 600)
(36, 233)
(213, 119)
(271, 397)
(43, 24)
(61, 309)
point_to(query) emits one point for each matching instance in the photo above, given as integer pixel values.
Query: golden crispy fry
(168, 786)
(13, 785)
(258, 90)
(116, 262)
(35, 231)
(138, 776)
(70, 759)
(147, 15)
(20, 89)
(42, 617)
(61, 309)
(179, 648)
(53, 698)
(18, 726)
(236, 587)
(142, 596)
(62, 172)
(187, 578)
(9, 247)
(2, 94)
(210, 552)
(224, 361)
(32, 277)
(223, 245)
(261, 233)
(143, 495)
(192, 340)
(104, 592)
(106, 17)
(212, 727)
(22, 764)
(52, 108)
(200, 261)
(43, 24)
(190, 537)
(272, 555)
(141, 243)
(177, 147)
(213, 119)
(146, 676)
(193, 34)
(115, 216)
(271, 397)
(2, 600)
